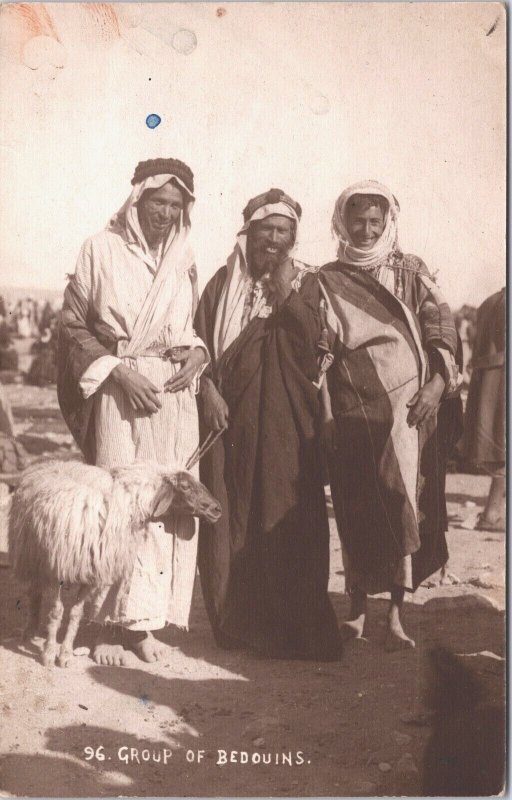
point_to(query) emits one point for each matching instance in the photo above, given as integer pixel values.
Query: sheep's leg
(35, 596)
(54, 620)
(75, 617)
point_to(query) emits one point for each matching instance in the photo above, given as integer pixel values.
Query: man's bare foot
(493, 523)
(108, 650)
(49, 654)
(396, 639)
(353, 628)
(144, 645)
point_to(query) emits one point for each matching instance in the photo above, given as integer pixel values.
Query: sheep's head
(181, 492)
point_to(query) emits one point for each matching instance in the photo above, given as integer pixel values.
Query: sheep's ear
(164, 498)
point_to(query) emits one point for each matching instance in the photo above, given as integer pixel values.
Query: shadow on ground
(343, 717)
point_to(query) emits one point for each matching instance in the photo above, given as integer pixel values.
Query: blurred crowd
(32, 320)
(465, 322)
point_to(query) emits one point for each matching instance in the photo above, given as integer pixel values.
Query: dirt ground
(344, 726)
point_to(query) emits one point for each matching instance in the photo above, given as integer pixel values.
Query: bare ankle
(358, 604)
(134, 637)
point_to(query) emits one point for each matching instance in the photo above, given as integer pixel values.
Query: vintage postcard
(252, 394)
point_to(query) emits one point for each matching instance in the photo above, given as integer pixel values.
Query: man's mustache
(280, 249)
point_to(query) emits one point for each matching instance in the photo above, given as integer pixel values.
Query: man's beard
(263, 262)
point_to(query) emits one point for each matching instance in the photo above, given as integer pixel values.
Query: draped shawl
(84, 336)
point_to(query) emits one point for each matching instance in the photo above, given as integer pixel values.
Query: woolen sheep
(72, 523)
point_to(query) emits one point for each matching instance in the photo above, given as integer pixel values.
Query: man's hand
(196, 356)
(328, 435)
(281, 278)
(141, 393)
(215, 408)
(425, 402)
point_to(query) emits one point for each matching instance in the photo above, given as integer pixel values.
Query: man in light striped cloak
(391, 411)
(128, 364)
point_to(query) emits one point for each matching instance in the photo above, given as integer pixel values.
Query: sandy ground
(346, 723)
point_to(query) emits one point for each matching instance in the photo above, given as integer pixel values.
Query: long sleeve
(434, 314)
(197, 340)
(204, 320)
(83, 341)
(438, 330)
(97, 373)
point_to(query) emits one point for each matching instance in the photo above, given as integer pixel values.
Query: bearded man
(128, 360)
(265, 565)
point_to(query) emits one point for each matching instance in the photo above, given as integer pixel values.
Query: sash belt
(174, 354)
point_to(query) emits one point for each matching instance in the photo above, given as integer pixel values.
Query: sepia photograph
(253, 399)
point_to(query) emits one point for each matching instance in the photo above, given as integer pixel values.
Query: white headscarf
(230, 319)
(388, 241)
(175, 259)
(127, 217)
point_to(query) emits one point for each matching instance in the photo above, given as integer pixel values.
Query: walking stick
(202, 449)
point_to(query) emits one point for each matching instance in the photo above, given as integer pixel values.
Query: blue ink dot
(153, 120)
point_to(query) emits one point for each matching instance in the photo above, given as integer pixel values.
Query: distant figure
(43, 370)
(465, 322)
(47, 317)
(484, 423)
(8, 354)
(6, 420)
(13, 457)
(24, 318)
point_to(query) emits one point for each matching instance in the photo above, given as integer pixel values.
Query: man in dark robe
(265, 565)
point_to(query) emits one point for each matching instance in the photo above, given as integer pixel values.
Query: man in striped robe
(391, 412)
(128, 363)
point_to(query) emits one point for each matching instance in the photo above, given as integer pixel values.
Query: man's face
(159, 211)
(365, 227)
(269, 241)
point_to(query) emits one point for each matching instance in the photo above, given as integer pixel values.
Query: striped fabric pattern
(160, 590)
(103, 306)
(378, 367)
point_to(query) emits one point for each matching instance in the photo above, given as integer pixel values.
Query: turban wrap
(164, 166)
(230, 317)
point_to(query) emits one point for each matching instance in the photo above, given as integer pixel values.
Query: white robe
(117, 277)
